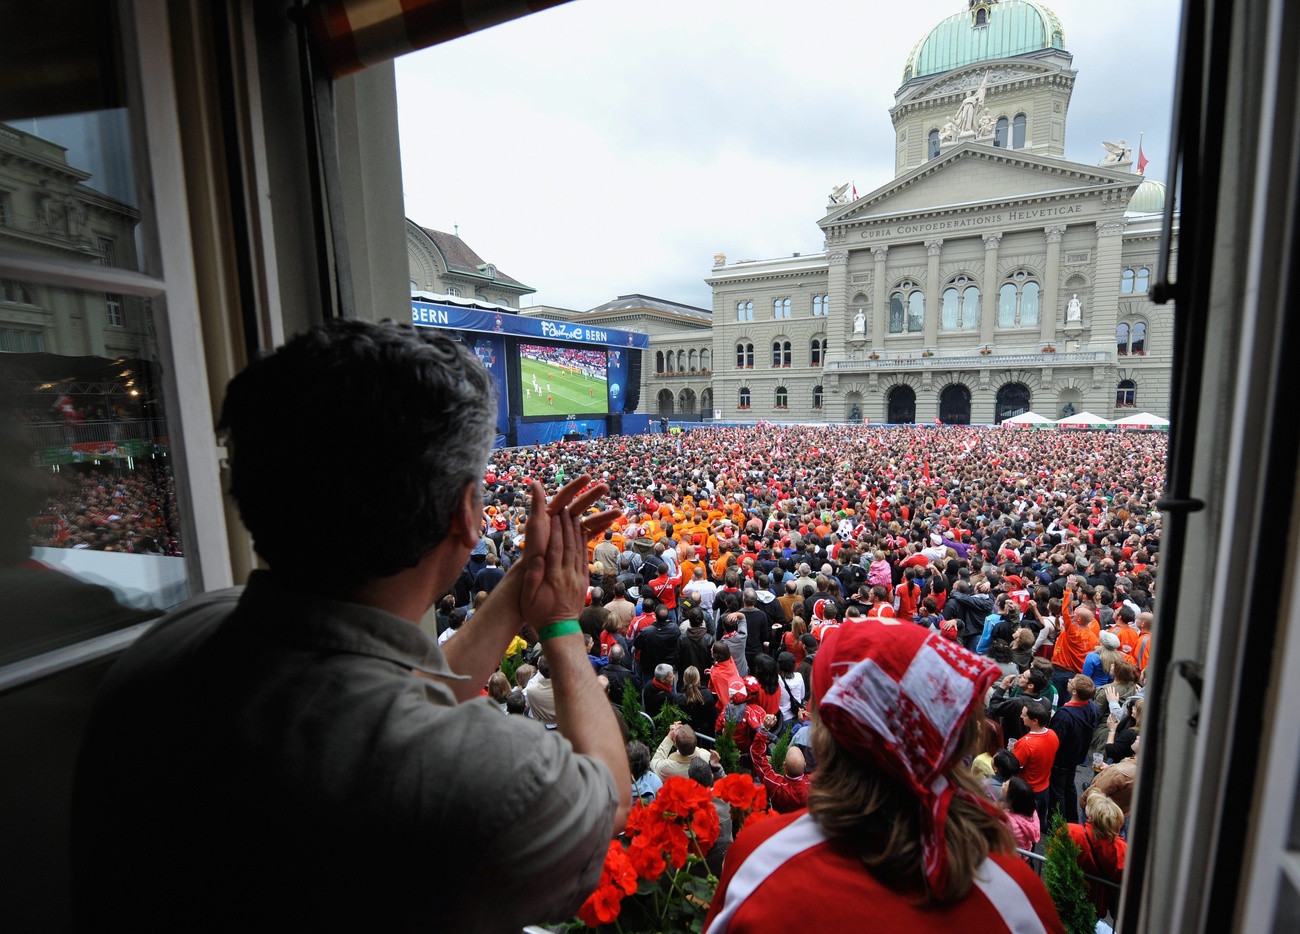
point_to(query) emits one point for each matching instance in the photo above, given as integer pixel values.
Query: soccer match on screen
(563, 380)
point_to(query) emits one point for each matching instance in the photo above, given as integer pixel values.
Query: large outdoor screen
(559, 381)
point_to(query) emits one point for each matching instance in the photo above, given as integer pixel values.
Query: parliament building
(988, 277)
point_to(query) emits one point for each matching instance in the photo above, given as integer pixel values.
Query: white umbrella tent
(1143, 420)
(1026, 420)
(1084, 420)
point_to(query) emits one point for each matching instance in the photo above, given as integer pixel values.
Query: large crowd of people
(131, 511)
(739, 551)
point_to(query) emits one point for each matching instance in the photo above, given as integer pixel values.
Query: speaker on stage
(573, 436)
(614, 424)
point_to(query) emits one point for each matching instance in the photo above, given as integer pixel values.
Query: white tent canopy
(1143, 420)
(1083, 420)
(1025, 419)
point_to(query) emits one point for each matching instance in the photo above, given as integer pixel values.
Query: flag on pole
(855, 191)
(1142, 159)
(938, 420)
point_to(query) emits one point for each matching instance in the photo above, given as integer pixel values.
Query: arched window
(817, 396)
(1018, 300)
(1007, 297)
(1000, 138)
(659, 361)
(951, 312)
(1126, 281)
(916, 311)
(1121, 338)
(961, 305)
(782, 398)
(932, 145)
(691, 361)
(781, 308)
(744, 355)
(781, 353)
(1143, 279)
(681, 361)
(817, 351)
(1138, 345)
(982, 16)
(821, 305)
(453, 291)
(744, 311)
(11, 290)
(665, 402)
(1126, 394)
(906, 308)
(1029, 304)
(706, 359)
(970, 308)
(1018, 126)
(749, 356)
(686, 402)
(744, 398)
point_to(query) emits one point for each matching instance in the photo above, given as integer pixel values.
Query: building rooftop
(989, 30)
(461, 258)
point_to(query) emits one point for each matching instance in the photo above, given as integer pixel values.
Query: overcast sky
(607, 147)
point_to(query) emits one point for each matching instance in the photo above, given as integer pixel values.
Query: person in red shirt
(664, 587)
(890, 800)
(909, 596)
(1101, 850)
(785, 792)
(1036, 751)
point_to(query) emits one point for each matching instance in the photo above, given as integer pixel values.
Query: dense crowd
(739, 550)
(591, 362)
(132, 511)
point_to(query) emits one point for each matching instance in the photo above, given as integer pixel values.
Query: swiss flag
(1142, 161)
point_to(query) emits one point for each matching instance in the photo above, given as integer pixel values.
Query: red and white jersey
(790, 853)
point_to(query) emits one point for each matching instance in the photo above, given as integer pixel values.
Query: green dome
(1148, 199)
(986, 32)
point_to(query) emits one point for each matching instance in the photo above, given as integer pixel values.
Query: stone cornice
(947, 101)
(1092, 181)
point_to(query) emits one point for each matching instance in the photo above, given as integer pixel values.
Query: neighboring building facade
(444, 267)
(989, 277)
(46, 209)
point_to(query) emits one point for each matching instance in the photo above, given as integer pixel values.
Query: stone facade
(990, 276)
(47, 208)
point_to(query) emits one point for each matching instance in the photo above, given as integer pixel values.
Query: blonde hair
(691, 686)
(1104, 816)
(858, 803)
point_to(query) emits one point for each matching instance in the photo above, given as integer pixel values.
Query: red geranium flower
(739, 791)
(617, 879)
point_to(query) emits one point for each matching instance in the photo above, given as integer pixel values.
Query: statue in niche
(860, 322)
(967, 118)
(1074, 310)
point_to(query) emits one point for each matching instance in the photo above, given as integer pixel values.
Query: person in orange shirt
(1079, 635)
(1127, 633)
(1142, 654)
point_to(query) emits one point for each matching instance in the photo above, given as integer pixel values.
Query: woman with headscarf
(897, 829)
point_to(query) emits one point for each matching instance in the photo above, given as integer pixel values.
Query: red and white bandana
(898, 697)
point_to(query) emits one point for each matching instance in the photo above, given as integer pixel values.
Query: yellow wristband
(565, 627)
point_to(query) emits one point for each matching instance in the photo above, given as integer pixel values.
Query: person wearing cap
(745, 713)
(1100, 662)
(897, 831)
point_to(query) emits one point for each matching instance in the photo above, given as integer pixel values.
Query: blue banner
(431, 315)
(551, 432)
(491, 351)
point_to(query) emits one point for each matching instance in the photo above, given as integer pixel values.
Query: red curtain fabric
(354, 34)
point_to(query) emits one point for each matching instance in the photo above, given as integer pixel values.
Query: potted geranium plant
(655, 877)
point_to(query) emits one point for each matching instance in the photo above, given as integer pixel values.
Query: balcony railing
(54, 434)
(974, 360)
